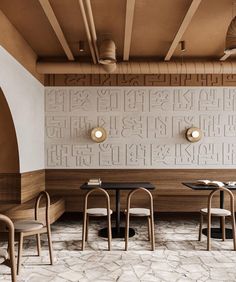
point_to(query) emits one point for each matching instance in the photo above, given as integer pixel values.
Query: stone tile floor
(178, 256)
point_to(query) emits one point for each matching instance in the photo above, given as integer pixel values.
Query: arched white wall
(25, 97)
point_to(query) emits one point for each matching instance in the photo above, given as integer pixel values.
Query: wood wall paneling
(10, 188)
(31, 184)
(19, 188)
(170, 195)
(26, 210)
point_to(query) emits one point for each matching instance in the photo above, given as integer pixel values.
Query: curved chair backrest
(97, 190)
(224, 190)
(47, 197)
(139, 190)
(11, 252)
(10, 226)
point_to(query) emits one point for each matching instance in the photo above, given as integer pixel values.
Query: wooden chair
(217, 212)
(96, 212)
(35, 227)
(7, 257)
(140, 212)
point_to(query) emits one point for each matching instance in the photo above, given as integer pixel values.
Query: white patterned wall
(146, 127)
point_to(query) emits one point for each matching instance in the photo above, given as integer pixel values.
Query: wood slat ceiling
(155, 24)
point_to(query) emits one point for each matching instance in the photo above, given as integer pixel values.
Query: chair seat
(216, 212)
(98, 212)
(27, 225)
(3, 255)
(139, 212)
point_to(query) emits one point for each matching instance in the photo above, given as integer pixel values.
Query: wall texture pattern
(140, 80)
(146, 127)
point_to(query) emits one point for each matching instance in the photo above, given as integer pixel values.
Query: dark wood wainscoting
(16, 188)
(170, 195)
(18, 193)
(32, 183)
(10, 188)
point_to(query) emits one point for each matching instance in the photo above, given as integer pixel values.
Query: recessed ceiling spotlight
(81, 46)
(182, 46)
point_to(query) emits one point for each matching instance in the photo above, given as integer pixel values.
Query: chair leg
(38, 244)
(223, 227)
(127, 231)
(87, 229)
(50, 245)
(152, 232)
(11, 252)
(20, 247)
(234, 231)
(209, 233)
(200, 228)
(109, 231)
(84, 231)
(149, 228)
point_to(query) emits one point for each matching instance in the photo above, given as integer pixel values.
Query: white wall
(146, 127)
(25, 96)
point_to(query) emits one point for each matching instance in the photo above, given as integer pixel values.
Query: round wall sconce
(193, 134)
(98, 134)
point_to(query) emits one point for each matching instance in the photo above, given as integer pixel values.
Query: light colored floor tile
(178, 256)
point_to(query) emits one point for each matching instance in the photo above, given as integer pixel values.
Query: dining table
(216, 232)
(118, 231)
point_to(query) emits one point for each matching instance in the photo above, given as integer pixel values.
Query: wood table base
(216, 233)
(115, 233)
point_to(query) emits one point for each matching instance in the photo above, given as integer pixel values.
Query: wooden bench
(26, 210)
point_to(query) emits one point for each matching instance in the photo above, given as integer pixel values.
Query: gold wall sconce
(193, 134)
(98, 134)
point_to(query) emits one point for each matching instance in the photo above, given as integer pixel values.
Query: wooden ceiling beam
(56, 27)
(128, 28)
(225, 57)
(92, 27)
(87, 30)
(185, 23)
(227, 54)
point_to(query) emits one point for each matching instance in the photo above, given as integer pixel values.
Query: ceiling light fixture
(81, 46)
(107, 52)
(182, 46)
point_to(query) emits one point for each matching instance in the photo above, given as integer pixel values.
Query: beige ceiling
(154, 26)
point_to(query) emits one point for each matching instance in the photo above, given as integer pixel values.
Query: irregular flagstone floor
(178, 255)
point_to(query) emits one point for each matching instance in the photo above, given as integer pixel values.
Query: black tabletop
(120, 185)
(196, 186)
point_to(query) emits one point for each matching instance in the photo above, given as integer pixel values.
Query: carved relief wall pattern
(140, 80)
(146, 127)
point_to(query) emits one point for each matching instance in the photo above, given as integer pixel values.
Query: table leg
(221, 199)
(221, 206)
(117, 232)
(118, 211)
